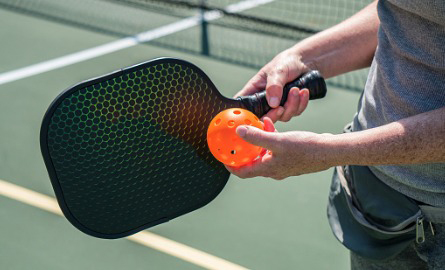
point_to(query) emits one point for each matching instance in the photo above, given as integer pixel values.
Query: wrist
(305, 56)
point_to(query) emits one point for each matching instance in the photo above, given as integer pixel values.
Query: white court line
(124, 43)
(144, 238)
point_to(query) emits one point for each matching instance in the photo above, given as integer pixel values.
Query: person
(398, 132)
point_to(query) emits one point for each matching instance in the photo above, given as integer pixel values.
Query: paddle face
(128, 150)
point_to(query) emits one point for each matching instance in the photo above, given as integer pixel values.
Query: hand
(285, 67)
(288, 154)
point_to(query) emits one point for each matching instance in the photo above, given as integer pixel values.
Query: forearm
(414, 140)
(345, 47)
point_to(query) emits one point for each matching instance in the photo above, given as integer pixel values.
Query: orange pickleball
(225, 145)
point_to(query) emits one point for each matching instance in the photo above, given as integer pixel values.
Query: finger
(255, 84)
(304, 101)
(263, 152)
(268, 125)
(243, 172)
(274, 87)
(258, 137)
(259, 167)
(275, 114)
(246, 171)
(292, 104)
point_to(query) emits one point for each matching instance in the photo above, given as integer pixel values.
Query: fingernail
(241, 131)
(280, 111)
(274, 102)
(296, 92)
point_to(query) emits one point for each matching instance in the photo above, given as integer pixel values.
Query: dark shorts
(380, 225)
(428, 255)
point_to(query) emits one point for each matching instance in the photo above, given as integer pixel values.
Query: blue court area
(254, 223)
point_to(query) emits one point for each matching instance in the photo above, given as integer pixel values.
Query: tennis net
(250, 37)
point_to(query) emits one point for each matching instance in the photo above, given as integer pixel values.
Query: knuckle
(280, 70)
(274, 86)
(285, 118)
(290, 112)
(270, 115)
(252, 132)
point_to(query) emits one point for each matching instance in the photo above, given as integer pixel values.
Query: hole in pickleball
(248, 122)
(233, 152)
(218, 121)
(236, 112)
(231, 123)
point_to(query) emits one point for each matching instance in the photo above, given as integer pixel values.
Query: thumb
(258, 137)
(274, 86)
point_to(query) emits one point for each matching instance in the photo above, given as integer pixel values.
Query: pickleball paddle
(127, 151)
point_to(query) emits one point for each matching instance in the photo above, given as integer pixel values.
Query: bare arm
(347, 46)
(418, 139)
(414, 140)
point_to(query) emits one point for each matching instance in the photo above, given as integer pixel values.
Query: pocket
(363, 235)
(381, 205)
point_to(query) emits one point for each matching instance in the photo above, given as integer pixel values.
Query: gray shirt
(407, 77)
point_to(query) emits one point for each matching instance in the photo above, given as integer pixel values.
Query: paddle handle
(313, 81)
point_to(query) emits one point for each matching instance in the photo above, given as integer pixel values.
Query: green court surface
(256, 223)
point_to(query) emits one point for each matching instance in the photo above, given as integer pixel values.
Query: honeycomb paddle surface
(127, 151)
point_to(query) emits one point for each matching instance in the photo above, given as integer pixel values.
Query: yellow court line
(144, 238)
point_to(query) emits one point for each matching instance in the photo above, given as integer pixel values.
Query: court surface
(255, 223)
